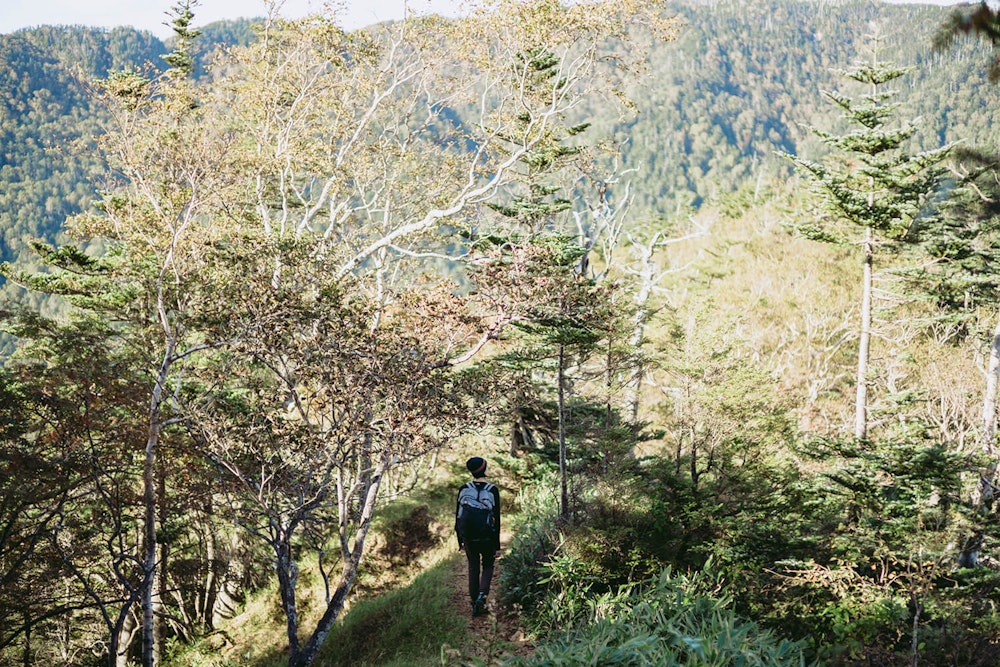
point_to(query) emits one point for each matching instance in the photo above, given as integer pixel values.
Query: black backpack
(476, 522)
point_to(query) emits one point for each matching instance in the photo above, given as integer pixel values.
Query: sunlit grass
(404, 627)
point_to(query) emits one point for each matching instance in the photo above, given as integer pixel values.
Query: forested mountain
(47, 112)
(50, 116)
(744, 79)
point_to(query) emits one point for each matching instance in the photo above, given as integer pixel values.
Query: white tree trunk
(563, 483)
(982, 496)
(984, 492)
(647, 279)
(864, 345)
(351, 561)
(122, 642)
(149, 541)
(149, 598)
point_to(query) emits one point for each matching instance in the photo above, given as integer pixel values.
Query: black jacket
(496, 513)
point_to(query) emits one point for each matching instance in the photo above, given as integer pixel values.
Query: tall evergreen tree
(579, 312)
(873, 184)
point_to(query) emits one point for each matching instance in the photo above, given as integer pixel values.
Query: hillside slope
(745, 79)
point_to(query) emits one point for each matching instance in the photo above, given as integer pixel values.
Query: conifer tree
(959, 273)
(566, 324)
(182, 59)
(874, 185)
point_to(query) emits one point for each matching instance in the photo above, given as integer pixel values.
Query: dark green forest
(740, 82)
(712, 285)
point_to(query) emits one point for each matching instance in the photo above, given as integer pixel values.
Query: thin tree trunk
(351, 562)
(288, 573)
(207, 612)
(984, 492)
(67, 628)
(864, 345)
(26, 653)
(149, 546)
(149, 501)
(515, 429)
(120, 643)
(160, 575)
(982, 496)
(564, 485)
(639, 319)
(608, 407)
(914, 642)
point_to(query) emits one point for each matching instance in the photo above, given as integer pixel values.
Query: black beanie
(477, 466)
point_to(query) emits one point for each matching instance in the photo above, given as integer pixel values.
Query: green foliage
(878, 186)
(851, 550)
(958, 242)
(534, 540)
(404, 627)
(68, 462)
(667, 620)
(742, 81)
(182, 59)
(876, 581)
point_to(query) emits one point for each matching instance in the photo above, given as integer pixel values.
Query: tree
(314, 408)
(380, 192)
(560, 315)
(79, 421)
(879, 189)
(257, 223)
(158, 274)
(957, 274)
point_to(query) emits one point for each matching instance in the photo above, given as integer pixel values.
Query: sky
(152, 14)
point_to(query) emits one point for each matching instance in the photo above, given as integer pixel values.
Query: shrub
(662, 621)
(533, 544)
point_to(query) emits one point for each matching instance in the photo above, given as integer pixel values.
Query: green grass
(406, 627)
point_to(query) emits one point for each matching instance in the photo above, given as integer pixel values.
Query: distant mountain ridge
(48, 117)
(743, 80)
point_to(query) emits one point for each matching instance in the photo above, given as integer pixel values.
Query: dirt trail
(497, 633)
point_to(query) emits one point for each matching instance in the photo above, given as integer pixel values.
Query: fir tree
(873, 184)
(960, 274)
(182, 59)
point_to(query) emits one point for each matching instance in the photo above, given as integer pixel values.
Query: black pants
(480, 555)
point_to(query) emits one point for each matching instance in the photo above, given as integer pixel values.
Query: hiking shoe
(479, 606)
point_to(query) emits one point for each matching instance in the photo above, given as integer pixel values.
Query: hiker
(477, 525)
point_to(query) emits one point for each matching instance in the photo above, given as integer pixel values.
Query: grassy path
(493, 637)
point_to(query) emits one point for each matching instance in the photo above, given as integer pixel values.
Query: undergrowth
(667, 620)
(405, 627)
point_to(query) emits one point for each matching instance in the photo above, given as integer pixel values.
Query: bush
(662, 621)
(534, 542)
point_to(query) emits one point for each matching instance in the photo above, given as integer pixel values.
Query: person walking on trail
(477, 525)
